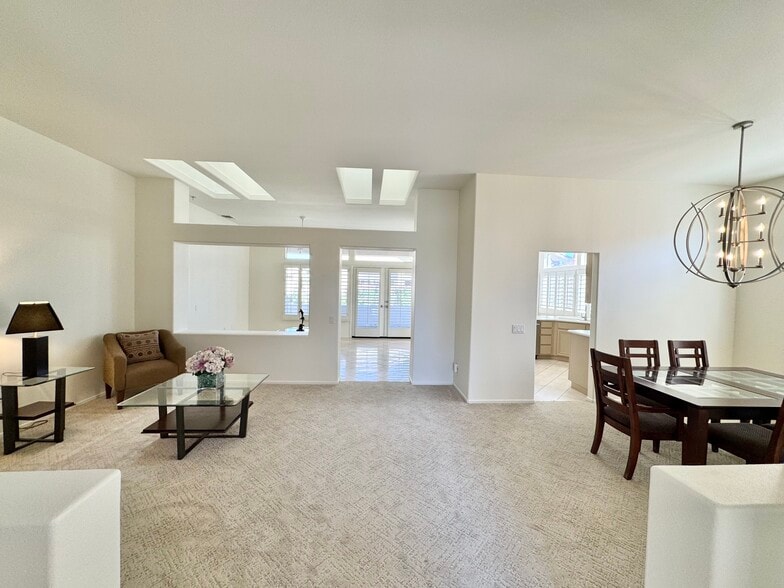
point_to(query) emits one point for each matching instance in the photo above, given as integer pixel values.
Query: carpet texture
(371, 484)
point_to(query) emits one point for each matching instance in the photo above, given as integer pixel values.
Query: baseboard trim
(502, 401)
(303, 382)
(99, 395)
(492, 400)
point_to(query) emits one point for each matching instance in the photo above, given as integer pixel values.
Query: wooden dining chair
(647, 349)
(696, 350)
(751, 442)
(617, 406)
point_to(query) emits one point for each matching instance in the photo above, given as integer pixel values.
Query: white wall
(218, 287)
(759, 317)
(311, 358)
(67, 236)
(464, 296)
(435, 282)
(643, 291)
(266, 290)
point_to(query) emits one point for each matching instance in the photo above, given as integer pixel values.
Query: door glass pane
(368, 299)
(400, 285)
(344, 292)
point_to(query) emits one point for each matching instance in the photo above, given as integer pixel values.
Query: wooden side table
(13, 414)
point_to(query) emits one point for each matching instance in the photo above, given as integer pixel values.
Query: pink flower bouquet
(211, 360)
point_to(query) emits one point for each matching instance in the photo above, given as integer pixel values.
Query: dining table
(714, 393)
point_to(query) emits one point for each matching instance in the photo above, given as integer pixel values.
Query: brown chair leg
(656, 446)
(597, 436)
(108, 390)
(634, 451)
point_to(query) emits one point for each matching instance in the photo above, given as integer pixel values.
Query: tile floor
(375, 360)
(551, 382)
(389, 360)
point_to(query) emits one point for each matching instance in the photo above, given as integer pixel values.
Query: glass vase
(208, 380)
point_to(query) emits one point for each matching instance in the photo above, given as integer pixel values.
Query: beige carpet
(371, 484)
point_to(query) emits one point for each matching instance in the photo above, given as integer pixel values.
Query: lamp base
(35, 357)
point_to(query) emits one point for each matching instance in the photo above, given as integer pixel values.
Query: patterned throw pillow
(140, 346)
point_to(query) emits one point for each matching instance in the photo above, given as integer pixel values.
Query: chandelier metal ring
(737, 233)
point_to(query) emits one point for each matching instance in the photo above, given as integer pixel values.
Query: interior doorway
(376, 309)
(565, 324)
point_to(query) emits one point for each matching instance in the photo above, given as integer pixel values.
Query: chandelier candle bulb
(761, 203)
(722, 205)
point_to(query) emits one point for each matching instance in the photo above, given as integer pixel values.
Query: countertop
(563, 319)
(580, 333)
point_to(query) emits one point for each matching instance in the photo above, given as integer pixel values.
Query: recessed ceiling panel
(235, 177)
(396, 186)
(193, 177)
(357, 184)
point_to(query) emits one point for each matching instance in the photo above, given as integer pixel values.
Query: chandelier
(724, 237)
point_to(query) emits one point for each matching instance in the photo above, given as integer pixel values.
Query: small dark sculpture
(301, 326)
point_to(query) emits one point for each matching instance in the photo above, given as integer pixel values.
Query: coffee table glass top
(184, 391)
(16, 379)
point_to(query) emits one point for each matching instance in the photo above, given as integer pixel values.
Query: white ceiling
(290, 90)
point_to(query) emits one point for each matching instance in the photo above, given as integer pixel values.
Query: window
(296, 290)
(562, 284)
(344, 293)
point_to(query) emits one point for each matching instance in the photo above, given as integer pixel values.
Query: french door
(383, 302)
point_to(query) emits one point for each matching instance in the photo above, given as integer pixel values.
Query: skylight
(193, 177)
(235, 177)
(396, 185)
(357, 184)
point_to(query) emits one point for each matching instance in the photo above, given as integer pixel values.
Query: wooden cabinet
(553, 338)
(544, 342)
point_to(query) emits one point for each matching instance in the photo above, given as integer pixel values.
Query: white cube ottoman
(60, 528)
(715, 526)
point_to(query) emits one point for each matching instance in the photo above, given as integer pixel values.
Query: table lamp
(34, 317)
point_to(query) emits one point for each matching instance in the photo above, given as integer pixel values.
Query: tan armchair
(121, 377)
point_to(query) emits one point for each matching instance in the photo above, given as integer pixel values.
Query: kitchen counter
(578, 359)
(553, 336)
(564, 319)
(580, 332)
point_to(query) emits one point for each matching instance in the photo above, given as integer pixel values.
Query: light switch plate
(518, 329)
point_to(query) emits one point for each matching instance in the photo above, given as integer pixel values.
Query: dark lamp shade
(33, 317)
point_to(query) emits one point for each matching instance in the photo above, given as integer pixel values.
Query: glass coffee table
(198, 412)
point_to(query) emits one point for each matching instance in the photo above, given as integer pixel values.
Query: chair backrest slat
(696, 350)
(647, 349)
(614, 383)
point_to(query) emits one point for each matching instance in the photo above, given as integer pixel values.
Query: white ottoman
(60, 528)
(715, 526)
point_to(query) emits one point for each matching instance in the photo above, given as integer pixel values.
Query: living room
(532, 130)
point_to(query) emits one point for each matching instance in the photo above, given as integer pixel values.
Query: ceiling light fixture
(235, 178)
(396, 185)
(357, 184)
(193, 177)
(740, 228)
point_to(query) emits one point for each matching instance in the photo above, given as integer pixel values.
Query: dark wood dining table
(711, 393)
